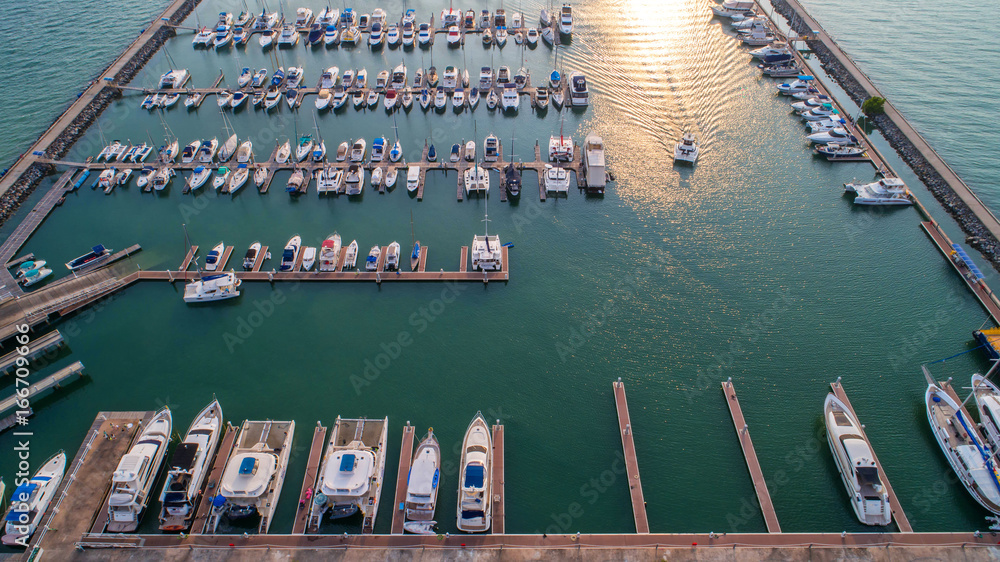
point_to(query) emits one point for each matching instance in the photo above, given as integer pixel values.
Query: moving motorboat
(687, 149)
(31, 499)
(886, 191)
(959, 439)
(132, 480)
(255, 472)
(856, 463)
(350, 476)
(475, 473)
(290, 255)
(188, 467)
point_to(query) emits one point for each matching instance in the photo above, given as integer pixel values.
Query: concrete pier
(53, 380)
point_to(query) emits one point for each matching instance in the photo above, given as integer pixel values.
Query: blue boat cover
(247, 465)
(347, 462)
(968, 261)
(23, 492)
(805, 77)
(474, 476)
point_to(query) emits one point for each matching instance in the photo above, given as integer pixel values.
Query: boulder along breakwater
(977, 234)
(11, 200)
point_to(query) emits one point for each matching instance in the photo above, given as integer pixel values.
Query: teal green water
(751, 265)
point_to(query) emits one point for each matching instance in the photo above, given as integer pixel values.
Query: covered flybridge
(133, 479)
(188, 468)
(252, 480)
(856, 464)
(350, 477)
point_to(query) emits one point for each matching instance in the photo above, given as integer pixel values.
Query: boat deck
(315, 458)
(214, 476)
(499, 524)
(402, 475)
(898, 516)
(631, 462)
(756, 474)
(959, 434)
(100, 521)
(54, 380)
(83, 491)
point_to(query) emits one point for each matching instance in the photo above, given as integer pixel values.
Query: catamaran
(252, 480)
(132, 480)
(350, 477)
(188, 468)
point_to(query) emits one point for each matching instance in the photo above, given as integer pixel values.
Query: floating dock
(631, 463)
(402, 476)
(214, 477)
(972, 277)
(898, 516)
(36, 346)
(756, 474)
(499, 524)
(53, 380)
(315, 458)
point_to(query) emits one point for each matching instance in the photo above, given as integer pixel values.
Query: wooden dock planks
(261, 256)
(422, 263)
(897, 510)
(36, 347)
(53, 380)
(756, 475)
(405, 457)
(499, 518)
(983, 293)
(313, 463)
(122, 432)
(228, 251)
(218, 465)
(631, 463)
(192, 252)
(463, 264)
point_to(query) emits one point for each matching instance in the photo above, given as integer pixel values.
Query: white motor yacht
(371, 262)
(30, 501)
(594, 163)
(475, 475)
(290, 254)
(214, 255)
(579, 95)
(351, 255)
(838, 135)
(687, 149)
(188, 467)
(731, 8)
(422, 485)
(392, 256)
(329, 253)
(132, 480)
(856, 463)
(886, 191)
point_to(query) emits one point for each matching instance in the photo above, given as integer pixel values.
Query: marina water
(750, 265)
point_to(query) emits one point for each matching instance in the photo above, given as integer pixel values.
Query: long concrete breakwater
(27, 171)
(981, 226)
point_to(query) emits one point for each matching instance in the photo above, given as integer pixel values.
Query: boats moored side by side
(422, 485)
(30, 501)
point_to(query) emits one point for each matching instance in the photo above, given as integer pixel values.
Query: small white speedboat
(351, 255)
(214, 257)
(221, 177)
(308, 257)
(687, 149)
(198, 177)
(371, 262)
